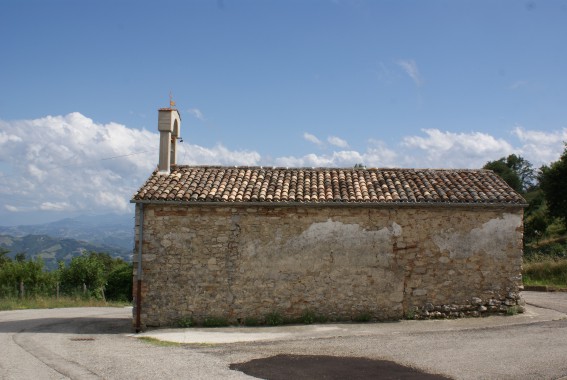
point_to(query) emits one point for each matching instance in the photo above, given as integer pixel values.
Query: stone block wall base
(510, 305)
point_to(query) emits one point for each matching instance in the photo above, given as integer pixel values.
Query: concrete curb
(223, 335)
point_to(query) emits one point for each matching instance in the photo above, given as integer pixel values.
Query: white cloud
(540, 137)
(380, 155)
(196, 113)
(440, 141)
(311, 138)
(376, 155)
(410, 67)
(336, 141)
(105, 197)
(4, 137)
(70, 163)
(337, 159)
(218, 155)
(448, 149)
(542, 147)
(36, 172)
(11, 208)
(55, 206)
(440, 149)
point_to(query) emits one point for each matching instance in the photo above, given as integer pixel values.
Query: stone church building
(342, 243)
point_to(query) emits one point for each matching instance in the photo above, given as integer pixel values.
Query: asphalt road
(97, 343)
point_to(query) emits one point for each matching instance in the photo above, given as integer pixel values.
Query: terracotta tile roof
(326, 185)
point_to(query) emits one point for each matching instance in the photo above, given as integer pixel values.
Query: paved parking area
(94, 343)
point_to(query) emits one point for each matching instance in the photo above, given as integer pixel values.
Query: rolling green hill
(54, 249)
(111, 230)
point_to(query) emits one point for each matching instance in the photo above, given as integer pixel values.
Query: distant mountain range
(66, 238)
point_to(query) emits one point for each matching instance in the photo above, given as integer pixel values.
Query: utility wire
(102, 159)
(127, 155)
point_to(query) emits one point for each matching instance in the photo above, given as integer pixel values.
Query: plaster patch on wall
(492, 238)
(341, 234)
(176, 239)
(327, 243)
(396, 229)
(348, 244)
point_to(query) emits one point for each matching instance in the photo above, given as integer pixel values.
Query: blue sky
(280, 83)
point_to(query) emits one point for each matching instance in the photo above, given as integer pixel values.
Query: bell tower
(169, 124)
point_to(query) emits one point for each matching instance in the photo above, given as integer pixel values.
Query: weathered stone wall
(341, 262)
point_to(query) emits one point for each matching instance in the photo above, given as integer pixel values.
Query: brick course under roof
(217, 184)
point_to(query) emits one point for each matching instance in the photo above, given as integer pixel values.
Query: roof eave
(332, 204)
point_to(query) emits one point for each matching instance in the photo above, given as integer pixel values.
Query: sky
(310, 83)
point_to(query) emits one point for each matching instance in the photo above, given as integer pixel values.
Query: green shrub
(274, 319)
(84, 272)
(551, 251)
(410, 314)
(185, 322)
(365, 316)
(249, 321)
(27, 275)
(119, 283)
(308, 317)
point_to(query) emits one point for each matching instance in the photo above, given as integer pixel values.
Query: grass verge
(545, 271)
(38, 302)
(157, 342)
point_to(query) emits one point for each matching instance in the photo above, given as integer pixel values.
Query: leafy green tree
(507, 174)
(536, 201)
(86, 271)
(4, 256)
(515, 170)
(25, 277)
(119, 283)
(523, 169)
(535, 226)
(553, 182)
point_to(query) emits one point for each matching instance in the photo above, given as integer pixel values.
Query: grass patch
(39, 302)
(185, 322)
(362, 317)
(512, 310)
(157, 342)
(556, 228)
(274, 319)
(250, 321)
(411, 313)
(542, 271)
(308, 317)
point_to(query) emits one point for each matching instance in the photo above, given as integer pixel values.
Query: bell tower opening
(169, 127)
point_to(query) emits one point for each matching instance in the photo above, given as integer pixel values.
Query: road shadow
(80, 325)
(283, 367)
